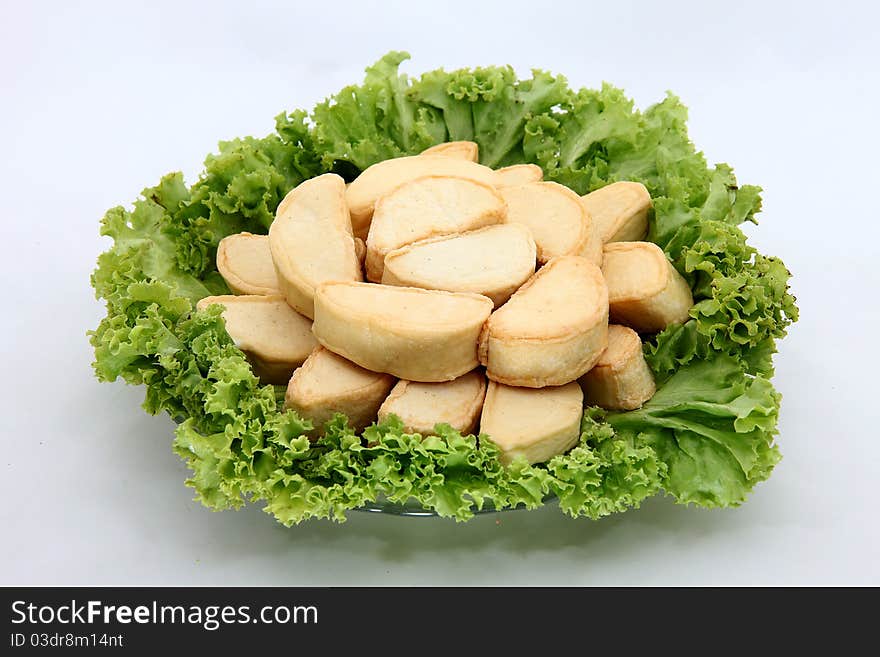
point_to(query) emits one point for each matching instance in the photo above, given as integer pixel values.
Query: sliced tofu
(418, 335)
(379, 179)
(422, 406)
(621, 379)
(534, 424)
(429, 207)
(620, 211)
(519, 174)
(493, 261)
(645, 291)
(464, 150)
(327, 384)
(553, 329)
(559, 223)
(275, 338)
(245, 263)
(311, 240)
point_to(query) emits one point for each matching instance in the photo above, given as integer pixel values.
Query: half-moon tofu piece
(519, 174)
(621, 379)
(311, 240)
(327, 384)
(417, 335)
(275, 338)
(463, 150)
(559, 223)
(245, 263)
(422, 406)
(535, 424)
(620, 211)
(553, 329)
(377, 180)
(645, 291)
(493, 261)
(429, 207)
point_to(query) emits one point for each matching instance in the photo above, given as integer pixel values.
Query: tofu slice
(429, 207)
(418, 335)
(559, 223)
(379, 179)
(645, 291)
(553, 329)
(328, 384)
(275, 338)
(311, 240)
(493, 261)
(620, 211)
(245, 263)
(422, 406)
(621, 379)
(533, 423)
(519, 174)
(464, 150)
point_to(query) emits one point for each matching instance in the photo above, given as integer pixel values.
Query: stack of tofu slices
(439, 290)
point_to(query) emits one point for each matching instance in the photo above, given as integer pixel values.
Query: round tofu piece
(422, 406)
(533, 423)
(493, 261)
(645, 291)
(559, 223)
(379, 179)
(275, 338)
(311, 240)
(620, 211)
(327, 384)
(245, 263)
(414, 334)
(621, 379)
(463, 150)
(553, 329)
(429, 207)
(519, 174)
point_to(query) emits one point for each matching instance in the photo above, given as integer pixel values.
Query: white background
(99, 100)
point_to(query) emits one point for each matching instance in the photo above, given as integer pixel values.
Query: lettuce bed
(705, 438)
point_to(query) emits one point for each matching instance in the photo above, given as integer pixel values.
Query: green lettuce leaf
(705, 438)
(712, 425)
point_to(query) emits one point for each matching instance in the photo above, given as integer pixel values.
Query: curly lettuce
(706, 437)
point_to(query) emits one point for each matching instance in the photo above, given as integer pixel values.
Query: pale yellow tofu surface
(421, 406)
(557, 219)
(518, 174)
(463, 150)
(245, 263)
(275, 337)
(621, 379)
(493, 261)
(414, 334)
(620, 211)
(429, 207)
(381, 178)
(311, 240)
(552, 330)
(645, 292)
(327, 384)
(536, 424)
